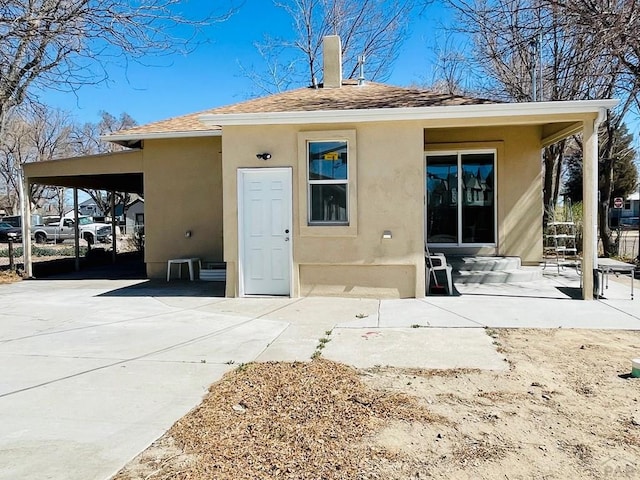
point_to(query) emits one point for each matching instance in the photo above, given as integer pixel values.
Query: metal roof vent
(361, 59)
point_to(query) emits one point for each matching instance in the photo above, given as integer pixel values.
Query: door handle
(286, 239)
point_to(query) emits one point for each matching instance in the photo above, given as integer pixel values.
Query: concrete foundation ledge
(362, 281)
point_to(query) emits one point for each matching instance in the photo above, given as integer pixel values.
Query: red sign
(618, 202)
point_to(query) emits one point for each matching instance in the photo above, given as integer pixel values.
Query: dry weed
(289, 420)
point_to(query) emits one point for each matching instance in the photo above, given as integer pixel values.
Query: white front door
(264, 221)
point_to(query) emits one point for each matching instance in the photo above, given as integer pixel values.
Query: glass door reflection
(442, 199)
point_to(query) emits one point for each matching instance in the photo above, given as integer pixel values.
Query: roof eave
(576, 107)
(116, 137)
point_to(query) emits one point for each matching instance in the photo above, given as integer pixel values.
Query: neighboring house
(134, 215)
(296, 191)
(629, 213)
(87, 208)
(631, 207)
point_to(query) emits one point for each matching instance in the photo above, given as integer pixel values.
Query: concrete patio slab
(329, 311)
(409, 312)
(414, 348)
(241, 343)
(124, 340)
(528, 312)
(422, 312)
(253, 307)
(309, 320)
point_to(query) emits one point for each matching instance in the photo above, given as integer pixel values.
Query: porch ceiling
(554, 132)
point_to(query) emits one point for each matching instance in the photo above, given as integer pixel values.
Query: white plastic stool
(179, 262)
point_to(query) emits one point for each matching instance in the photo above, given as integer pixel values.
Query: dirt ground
(566, 408)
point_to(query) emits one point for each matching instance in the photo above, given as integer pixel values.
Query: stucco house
(627, 214)
(134, 215)
(87, 207)
(335, 190)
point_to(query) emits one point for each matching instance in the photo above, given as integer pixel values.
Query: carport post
(25, 207)
(76, 228)
(113, 226)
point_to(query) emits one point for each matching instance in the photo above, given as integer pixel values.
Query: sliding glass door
(460, 189)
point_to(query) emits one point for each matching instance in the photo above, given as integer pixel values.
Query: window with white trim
(328, 182)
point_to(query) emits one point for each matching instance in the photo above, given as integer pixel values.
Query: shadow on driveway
(174, 288)
(127, 267)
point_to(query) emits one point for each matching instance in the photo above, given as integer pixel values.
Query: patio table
(607, 266)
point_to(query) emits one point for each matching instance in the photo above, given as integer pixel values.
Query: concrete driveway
(93, 371)
(88, 378)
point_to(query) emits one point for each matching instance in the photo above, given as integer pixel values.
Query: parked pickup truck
(90, 231)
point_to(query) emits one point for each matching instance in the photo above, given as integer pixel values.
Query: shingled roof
(351, 96)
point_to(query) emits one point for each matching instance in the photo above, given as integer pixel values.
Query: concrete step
(523, 274)
(470, 269)
(483, 264)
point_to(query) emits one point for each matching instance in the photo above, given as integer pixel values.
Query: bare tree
(33, 135)
(614, 27)
(40, 133)
(86, 140)
(451, 73)
(59, 199)
(64, 44)
(528, 50)
(610, 32)
(374, 29)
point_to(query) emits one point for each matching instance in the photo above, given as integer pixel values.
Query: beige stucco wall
(519, 180)
(390, 186)
(343, 264)
(183, 192)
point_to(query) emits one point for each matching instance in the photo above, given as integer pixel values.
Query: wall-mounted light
(263, 156)
(187, 234)
(387, 234)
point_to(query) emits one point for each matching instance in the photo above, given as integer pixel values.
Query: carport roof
(120, 171)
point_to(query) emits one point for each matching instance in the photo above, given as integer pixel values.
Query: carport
(118, 171)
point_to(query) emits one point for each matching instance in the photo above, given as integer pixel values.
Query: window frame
(324, 228)
(340, 181)
(459, 152)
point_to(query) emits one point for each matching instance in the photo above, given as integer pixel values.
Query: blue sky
(211, 76)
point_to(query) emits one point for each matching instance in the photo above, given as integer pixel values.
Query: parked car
(7, 229)
(90, 231)
(16, 220)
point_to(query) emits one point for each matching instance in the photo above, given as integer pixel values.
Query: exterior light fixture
(387, 234)
(263, 156)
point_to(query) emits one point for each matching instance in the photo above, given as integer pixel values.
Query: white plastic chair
(438, 262)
